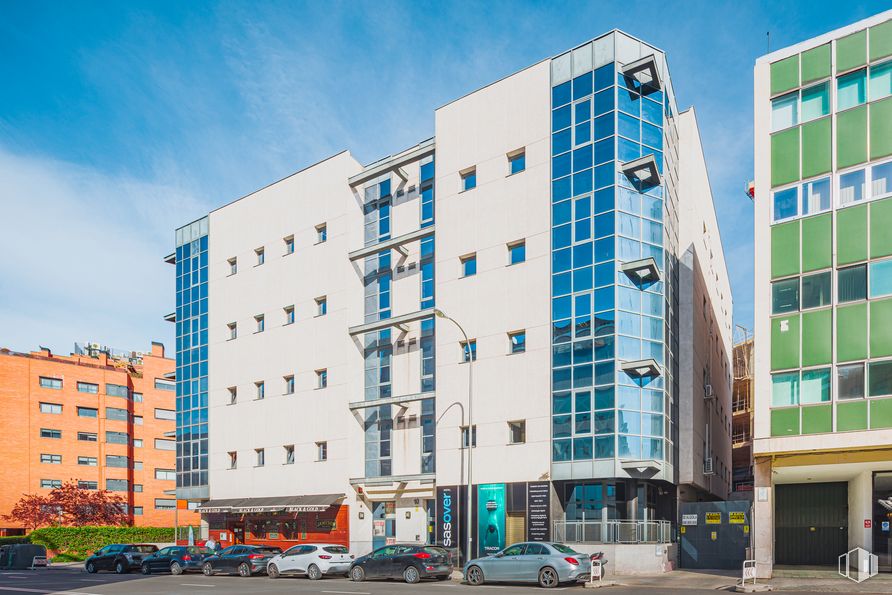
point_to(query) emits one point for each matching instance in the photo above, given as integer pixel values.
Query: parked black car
(120, 557)
(243, 559)
(176, 559)
(408, 562)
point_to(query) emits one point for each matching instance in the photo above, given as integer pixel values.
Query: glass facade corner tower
(613, 364)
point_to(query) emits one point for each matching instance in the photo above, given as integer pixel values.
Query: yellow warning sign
(746, 528)
(736, 518)
(714, 535)
(713, 518)
(682, 530)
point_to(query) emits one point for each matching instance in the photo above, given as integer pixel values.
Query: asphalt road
(74, 581)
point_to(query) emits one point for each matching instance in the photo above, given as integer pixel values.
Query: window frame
(233, 266)
(260, 253)
(321, 451)
(465, 261)
(466, 175)
(289, 315)
(260, 323)
(517, 245)
(51, 408)
(289, 454)
(512, 425)
(321, 233)
(289, 245)
(512, 345)
(289, 384)
(259, 457)
(518, 155)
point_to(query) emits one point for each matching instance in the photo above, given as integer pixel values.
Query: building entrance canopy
(311, 503)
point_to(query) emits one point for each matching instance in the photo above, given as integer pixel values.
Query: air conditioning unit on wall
(707, 391)
(707, 466)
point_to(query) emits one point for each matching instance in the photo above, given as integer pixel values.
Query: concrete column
(860, 509)
(763, 512)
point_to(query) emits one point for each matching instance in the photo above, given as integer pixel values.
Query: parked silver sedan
(548, 564)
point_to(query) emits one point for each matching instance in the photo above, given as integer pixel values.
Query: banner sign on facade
(736, 518)
(713, 518)
(539, 511)
(689, 519)
(491, 517)
(447, 517)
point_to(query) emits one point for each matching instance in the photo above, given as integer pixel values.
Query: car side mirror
(499, 554)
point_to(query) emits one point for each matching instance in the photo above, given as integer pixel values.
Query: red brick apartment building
(104, 419)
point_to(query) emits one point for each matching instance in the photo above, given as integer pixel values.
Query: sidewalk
(726, 580)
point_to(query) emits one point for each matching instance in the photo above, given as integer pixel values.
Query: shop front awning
(312, 503)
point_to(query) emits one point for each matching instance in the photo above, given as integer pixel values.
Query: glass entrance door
(383, 524)
(882, 520)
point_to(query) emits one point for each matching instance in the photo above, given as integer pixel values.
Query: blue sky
(120, 121)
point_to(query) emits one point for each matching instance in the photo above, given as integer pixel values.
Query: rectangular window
(850, 382)
(289, 385)
(785, 389)
(87, 412)
(137, 511)
(880, 80)
(816, 290)
(517, 342)
(166, 474)
(517, 162)
(116, 485)
(517, 432)
(816, 196)
(233, 395)
(517, 252)
(289, 314)
(137, 397)
(87, 437)
(116, 461)
(258, 320)
(468, 265)
(881, 179)
(851, 283)
(48, 433)
(814, 386)
(137, 420)
(261, 457)
(88, 485)
(785, 204)
(51, 459)
(233, 265)
(116, 390)
(116, 414)
(815, 102)
(879, 376)
(87, 387)
(464, 436)
(289, 454)
(785, 296)
(233, 330)
(469, 350)
(161, 444)
(881, 278)
(260, 390)
(261, 256)
(321, 306)
(851, 187)
(233, 459)
(87, 461)
(322, 451)
(54, 408)
(49, 484)
(51, 383)
(785, 111)
(321, 233)
(851, 90)
(469, 179)
(117, 437)
(165, 504)
(289, 245)
(161, 384)
(321, 378)
(137, 443)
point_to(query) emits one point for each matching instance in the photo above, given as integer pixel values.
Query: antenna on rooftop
(768, 41)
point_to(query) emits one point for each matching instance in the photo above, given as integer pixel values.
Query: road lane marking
(349, 592)
(196, 585)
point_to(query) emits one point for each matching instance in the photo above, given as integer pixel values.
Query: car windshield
(563, 548)
(143, 549)
(267, 549)
(336, 549)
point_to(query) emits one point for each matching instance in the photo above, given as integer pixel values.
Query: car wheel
(357, 574)
(313, 573)
(91, 568)
(146, 570)
(272, 571)
(411, 575)
(207, 569)
(475, 575)
(175, 568)
(120, 568)
(244, 569)
(548, 578)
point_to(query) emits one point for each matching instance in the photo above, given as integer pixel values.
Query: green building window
(785, 296)
(852, 284)
(851, 90)
(785, 389)
(879, 376)
(815, 386)
(816, 290)
(815, 102)
(850, 382)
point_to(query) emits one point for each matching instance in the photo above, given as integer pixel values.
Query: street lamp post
(469, 541)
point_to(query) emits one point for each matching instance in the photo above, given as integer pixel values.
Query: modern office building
(552, 251)
(101, 417)
(823, 313)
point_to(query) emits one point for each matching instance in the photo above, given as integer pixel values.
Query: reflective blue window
(629, 102)
(560, 165)
(604, 249)
(560, 189)
(560, 212)
(583, 133)
(604, 225)
(582, 279)
(604, 126)
(603, 102)
(583, 111)
(560, 94)
(652, 112)
(561, 403)
(561, 141)
(605, 175)
(582, 159)
(560, 237)
(561, 284)
(629, 127)
(604, 77)
(604, 151)
(628, 150)
(582, 85)
(582, 182)
(561, 118)
(582, 255)
(560, 450)
(604, 200)
(652, 136)
(582, 448)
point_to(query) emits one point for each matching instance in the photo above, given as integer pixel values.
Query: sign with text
(447, 517)
(539, 511)
(689, 519)
(736, 518)
(713, 518)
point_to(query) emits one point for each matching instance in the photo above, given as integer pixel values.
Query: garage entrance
(811, 523)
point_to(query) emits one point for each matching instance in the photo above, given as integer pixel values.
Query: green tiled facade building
(823, 302)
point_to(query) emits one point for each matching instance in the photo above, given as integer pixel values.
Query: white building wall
(479, 130)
